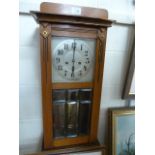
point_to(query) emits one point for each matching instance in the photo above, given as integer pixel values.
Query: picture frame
(122, 131)
(129, 85)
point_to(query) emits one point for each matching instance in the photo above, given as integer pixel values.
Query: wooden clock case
(61, 20)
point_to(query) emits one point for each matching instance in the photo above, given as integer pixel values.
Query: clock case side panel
(45, 49)
(99, 69)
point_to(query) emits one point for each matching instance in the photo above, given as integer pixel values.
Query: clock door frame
(46, 32)
(73, 32)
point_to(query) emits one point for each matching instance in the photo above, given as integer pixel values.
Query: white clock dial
(73, 59)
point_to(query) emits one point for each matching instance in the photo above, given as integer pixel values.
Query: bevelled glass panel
(71, 112)
(84, 117)
(59, 95)
(85, 94)
(72, 118)
(59, 118)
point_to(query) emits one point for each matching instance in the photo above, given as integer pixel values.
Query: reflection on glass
(59, 95)
(72, 117)
(72, 95)
(71, 110)
(59, 118)
(84, 117)
(85, 94)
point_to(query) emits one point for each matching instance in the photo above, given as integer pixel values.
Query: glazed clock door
(73, 62)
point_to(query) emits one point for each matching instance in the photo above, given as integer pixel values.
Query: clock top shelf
(70, 14)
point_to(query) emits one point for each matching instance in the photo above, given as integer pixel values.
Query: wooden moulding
(76, 149)
(71, 86)
(69, 19)
(65, 9)
(64, 14)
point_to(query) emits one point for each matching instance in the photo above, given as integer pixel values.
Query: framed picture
(122, 131)
(129, 86)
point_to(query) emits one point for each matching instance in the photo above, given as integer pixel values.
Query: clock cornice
(43, 17)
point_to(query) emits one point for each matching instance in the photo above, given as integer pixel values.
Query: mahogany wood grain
(71, 85)
(70, 141)
(66, 9)
(45, 90)
(72, 28)
(100, 54)
(41, 17)
(82, 34)
(76, 149)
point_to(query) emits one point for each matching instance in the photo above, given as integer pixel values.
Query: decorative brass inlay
(45, 33)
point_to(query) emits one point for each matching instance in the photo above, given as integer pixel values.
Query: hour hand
(72, 74)
(74, 45)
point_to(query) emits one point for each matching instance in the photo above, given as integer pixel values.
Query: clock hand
(73, 60)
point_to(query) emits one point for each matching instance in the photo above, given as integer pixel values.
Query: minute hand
(73, 60)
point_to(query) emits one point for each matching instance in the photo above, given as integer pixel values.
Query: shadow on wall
(35, 38)
(31, 147)
(111, 94)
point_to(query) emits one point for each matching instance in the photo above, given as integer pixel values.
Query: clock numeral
(85, 68)
(59, 68)
(86, 53)
(87, 61)
(60, 52)
(57, 60)
(65, 46)
(65, 73)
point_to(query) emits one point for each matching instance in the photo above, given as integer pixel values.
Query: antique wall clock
(72, 41)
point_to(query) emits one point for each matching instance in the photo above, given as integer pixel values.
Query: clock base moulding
(81, 149)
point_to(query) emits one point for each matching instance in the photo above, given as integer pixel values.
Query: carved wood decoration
(55, 21)
(101, 38)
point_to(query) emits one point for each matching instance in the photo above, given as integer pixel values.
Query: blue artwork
(125, 135)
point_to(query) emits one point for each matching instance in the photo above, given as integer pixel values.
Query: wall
(119, 40)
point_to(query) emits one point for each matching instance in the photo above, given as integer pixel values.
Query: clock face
(73, 59)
